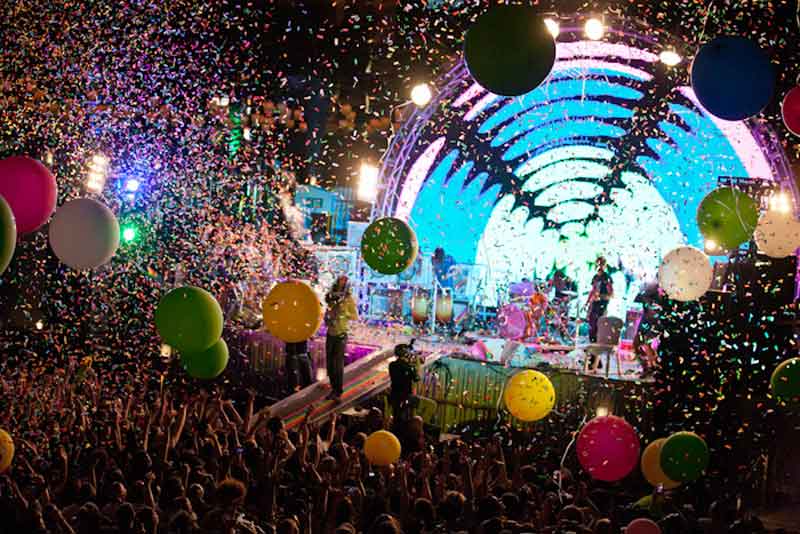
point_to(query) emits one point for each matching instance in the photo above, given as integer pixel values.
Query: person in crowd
(403, 372)
(341, 310)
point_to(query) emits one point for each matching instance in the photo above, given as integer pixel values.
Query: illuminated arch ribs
(609, 156)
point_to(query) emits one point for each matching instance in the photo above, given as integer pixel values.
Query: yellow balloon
(382, 448)
(529, 395)
(651, 466)
(6, 451)
(292, 311)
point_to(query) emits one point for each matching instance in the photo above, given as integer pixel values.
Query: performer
(441, 267)
(298, 366)
(602, 291)
(341, 310)
(537, 307)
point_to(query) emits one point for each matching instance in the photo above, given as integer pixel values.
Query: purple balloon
(511, 322)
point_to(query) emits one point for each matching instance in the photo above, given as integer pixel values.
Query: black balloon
(509, 50)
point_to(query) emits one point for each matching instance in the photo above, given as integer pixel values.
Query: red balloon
(642, 526)
(790, 109)
(30, 189)
(608, 448)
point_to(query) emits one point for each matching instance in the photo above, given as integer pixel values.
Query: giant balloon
(642, 525)
(389, 246)
(785, 380)
(529, 395)
(207, 364)
(189, 319)
(6, 451)
(382, 448)
(509, 50)
(790, 110)
(777, 234)
(292, 311)
(608, 448)
(685, 274)
(30, 190)
(511, 322)
(8, 235)
(732, 78)
(684, 456)
(651, 466)
(727, 217)
(84, 234)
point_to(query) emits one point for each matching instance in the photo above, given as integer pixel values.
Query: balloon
(511, 322)
(790, 110)
(727, 217)
(651, 466)
(642, 526)
(785, 380)
(6, 451)
(292, 311)
(685, 274)
(732, 78)
(509, 50)
(8, 235)
(529, 395)
(189, 319)
(29, 189)
(84, 234)
(382, 448)
(684, 456)
(389, 246)
(608, 448)
(777, 234)
(207, 364)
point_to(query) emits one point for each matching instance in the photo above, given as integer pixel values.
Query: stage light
(166, 351)
(368, 183)
(594, 29)
(553, 27)
(98, 172)
(129, 233)
(39, 325)
(132, 185)
(669, 57)
(602, 411)
(711, 246)
(421, 94)
(780, 202)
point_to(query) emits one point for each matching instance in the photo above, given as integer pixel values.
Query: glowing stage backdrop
(610, 156)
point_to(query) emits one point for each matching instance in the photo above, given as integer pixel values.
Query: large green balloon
(8, 234)
(207, 364)
(728, 217)
(189, 319)
(509, 50)
(389, 246)
(785, 381)
(684, 457)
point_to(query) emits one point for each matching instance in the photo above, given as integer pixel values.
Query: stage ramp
(363, 378)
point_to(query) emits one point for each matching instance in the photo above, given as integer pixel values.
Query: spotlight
(98, 171)
(602, 411)
(132, 185)
(711, 246)
(553, 27)
(421, 94)
(594, 29)
(669, 57)
(368, 183)
(129, 233)
(39, 325)
(780, 202)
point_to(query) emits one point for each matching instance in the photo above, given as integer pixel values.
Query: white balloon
(685, 273)
(777, 234)
(84, 234)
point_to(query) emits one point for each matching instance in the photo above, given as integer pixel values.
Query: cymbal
(569, 293)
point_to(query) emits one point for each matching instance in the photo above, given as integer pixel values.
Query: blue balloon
(732, 78)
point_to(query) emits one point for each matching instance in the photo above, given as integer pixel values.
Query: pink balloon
(790, 110)
(608, 448)
(642, 526)
(30, 189)
(511, 322)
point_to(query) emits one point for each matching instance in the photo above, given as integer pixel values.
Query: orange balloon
(6, 451)
(382, 448)
(292, 312)
(651, 466)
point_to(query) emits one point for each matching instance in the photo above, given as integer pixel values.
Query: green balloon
(389, 246)
(207, 364)
(8, 235)
(728, 217)
(684, 457)
(785, 381)
(189, 319)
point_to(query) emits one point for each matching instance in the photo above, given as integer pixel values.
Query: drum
(420, 306)
(511, 322)
(444, 306)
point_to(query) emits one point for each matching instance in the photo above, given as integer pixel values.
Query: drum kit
(421, 306)
(532, 313)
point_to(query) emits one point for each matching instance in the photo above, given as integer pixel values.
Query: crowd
(121, 450)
